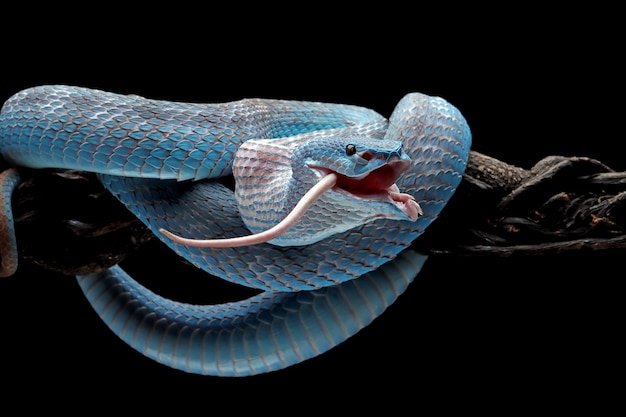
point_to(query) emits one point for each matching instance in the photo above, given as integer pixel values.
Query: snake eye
(350, 149)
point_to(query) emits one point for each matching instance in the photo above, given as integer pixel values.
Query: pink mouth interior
(379, 180)
(380, 184)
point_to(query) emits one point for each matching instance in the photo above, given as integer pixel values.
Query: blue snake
(343, 260)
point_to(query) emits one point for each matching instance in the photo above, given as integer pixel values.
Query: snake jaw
(378, 184)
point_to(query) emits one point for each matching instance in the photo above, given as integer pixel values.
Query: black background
(468, 331)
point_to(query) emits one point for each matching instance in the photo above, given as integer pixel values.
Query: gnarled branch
(560, 204)
(68, 223)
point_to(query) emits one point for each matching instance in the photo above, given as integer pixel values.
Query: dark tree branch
(560, 204)
(68, 223)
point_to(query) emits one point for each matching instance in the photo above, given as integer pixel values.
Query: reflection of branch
(67, 222)
(560, 204)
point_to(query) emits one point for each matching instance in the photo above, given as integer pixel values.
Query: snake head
(367, 170)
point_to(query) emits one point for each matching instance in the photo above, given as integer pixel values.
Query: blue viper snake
(342, 190)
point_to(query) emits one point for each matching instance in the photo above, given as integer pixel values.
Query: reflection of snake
(162, 159)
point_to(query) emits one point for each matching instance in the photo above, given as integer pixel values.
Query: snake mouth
(379, 185)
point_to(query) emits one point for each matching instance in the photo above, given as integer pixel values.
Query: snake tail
(264, 333)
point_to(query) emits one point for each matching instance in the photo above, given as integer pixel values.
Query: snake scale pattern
(345, 261)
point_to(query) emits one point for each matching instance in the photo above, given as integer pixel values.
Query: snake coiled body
(162, 159)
